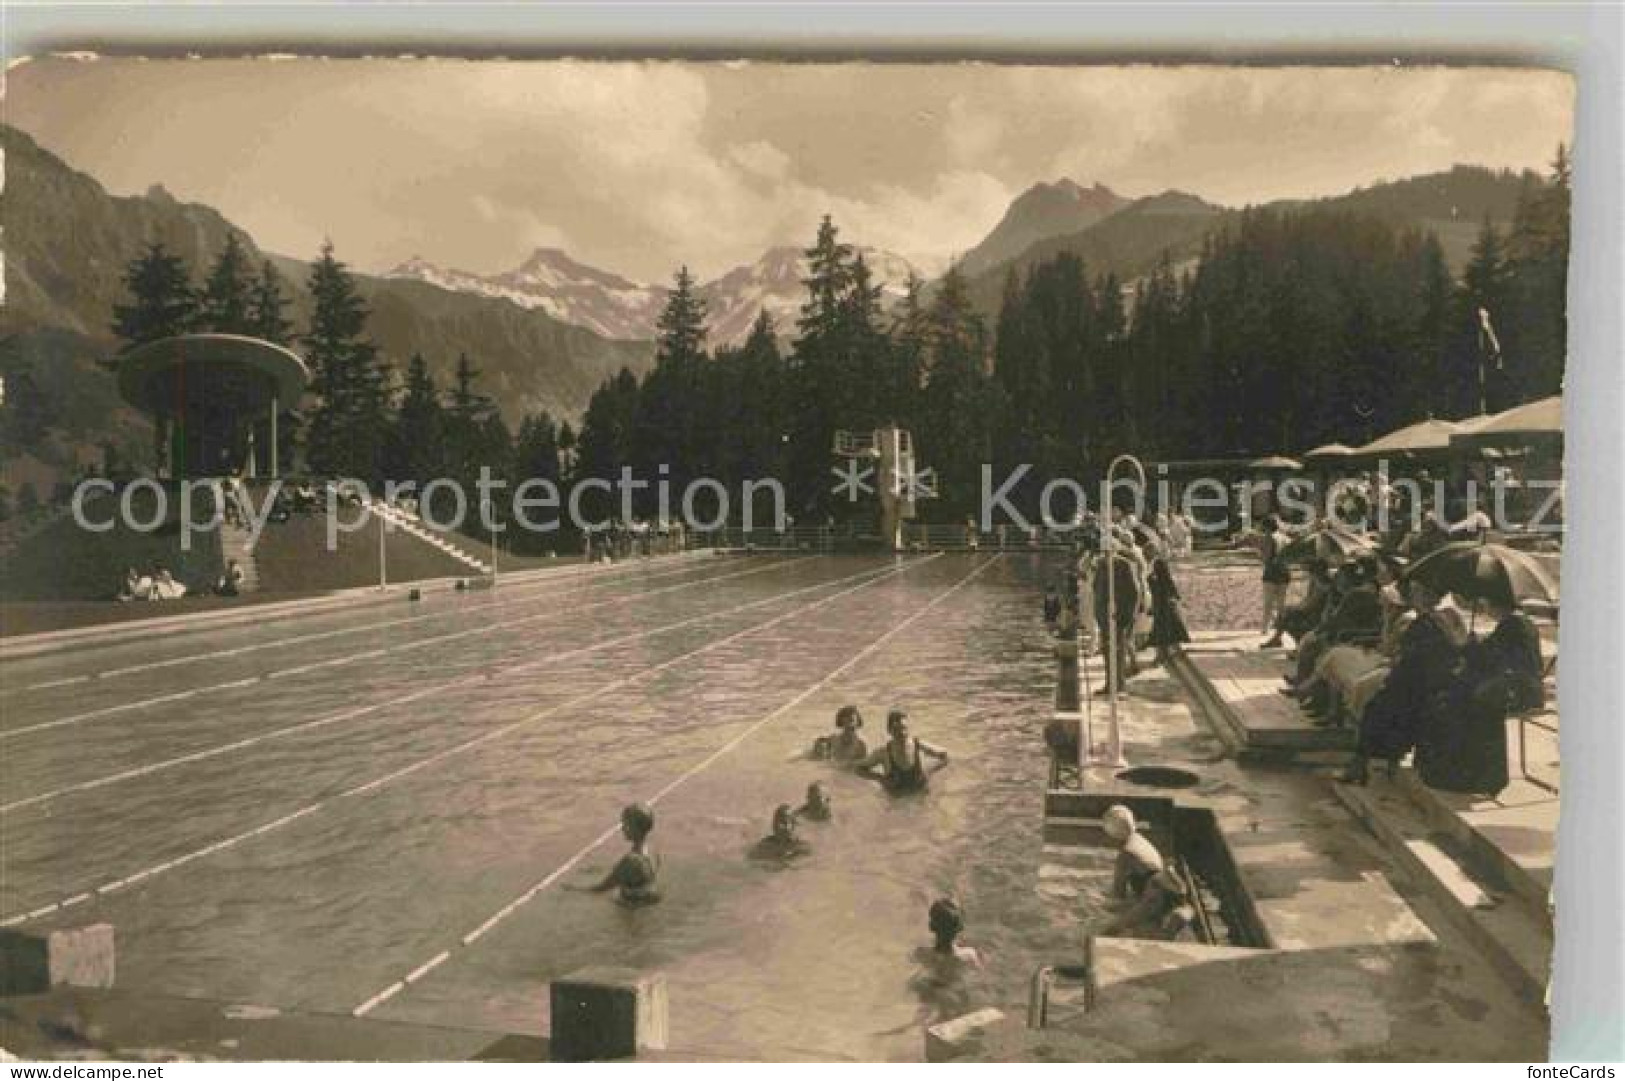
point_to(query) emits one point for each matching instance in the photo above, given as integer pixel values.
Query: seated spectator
(1422, 676)
(1475, 526)
(1354, 615)
(165, 587)
(1301, 618)
(1429, 539)
(1348, 674)
(1463, 748)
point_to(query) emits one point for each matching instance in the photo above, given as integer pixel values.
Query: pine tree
(1535, 340)
(1483, 293)
(604, 443)
(349, 427)
(822, 371)
(267, 309)
(536, 457)
(417, 450)
(681, 324)
(27, 413)
(750, 405)
(666, 434)
(162, 301)
(226, 304)
(958, 406)
(829, 274)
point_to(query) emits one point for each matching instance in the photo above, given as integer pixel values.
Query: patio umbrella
(1332, 544)
(1328, 452)
(1533, 422)
(1492, 572)
(1423, 437)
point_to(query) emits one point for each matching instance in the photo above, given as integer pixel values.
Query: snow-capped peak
(616, 307)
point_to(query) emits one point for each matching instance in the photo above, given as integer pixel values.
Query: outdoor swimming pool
(377, 809)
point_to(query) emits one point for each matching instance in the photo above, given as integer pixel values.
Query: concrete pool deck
(1363, 963)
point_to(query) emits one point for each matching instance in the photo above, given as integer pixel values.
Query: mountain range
(1130, 240)
(68, 241)
(545, 334)
(1042, 211)
(613, 307)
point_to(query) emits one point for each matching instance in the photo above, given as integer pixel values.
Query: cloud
(640, 166)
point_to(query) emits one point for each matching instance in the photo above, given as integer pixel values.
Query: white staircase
(397, 518)
(237, 543)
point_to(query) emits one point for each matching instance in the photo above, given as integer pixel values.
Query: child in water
(847, 746)
(817, 808)
(782, 845)
(635, 873)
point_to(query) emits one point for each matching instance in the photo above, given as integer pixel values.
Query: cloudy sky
(637, 167)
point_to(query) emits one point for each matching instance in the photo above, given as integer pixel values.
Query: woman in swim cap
(635, 873)
(1148, 892)
(1137, 858)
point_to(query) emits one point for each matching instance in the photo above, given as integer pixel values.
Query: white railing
(916, 537)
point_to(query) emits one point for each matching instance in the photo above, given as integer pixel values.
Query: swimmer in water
(945, 980)
(900, 764)
(947, 923)
(782, 845)
(635, 873)
(817, 808)
(847, 746)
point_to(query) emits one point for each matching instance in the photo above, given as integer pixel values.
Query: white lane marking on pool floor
(479, 676)
(511, 597)
(872, 575)
(553, 876)
(419, 643)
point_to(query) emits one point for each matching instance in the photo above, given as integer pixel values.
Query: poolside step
(1235, 692)
(1513, 935)
(1514, 836)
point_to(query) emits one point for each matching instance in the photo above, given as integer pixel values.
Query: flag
(1488, 343)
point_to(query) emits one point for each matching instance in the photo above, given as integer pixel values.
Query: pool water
(328, 911)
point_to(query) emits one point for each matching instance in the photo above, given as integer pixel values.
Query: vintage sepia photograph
(752, 559)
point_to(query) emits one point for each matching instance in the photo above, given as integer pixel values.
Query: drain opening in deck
(1160, 777)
